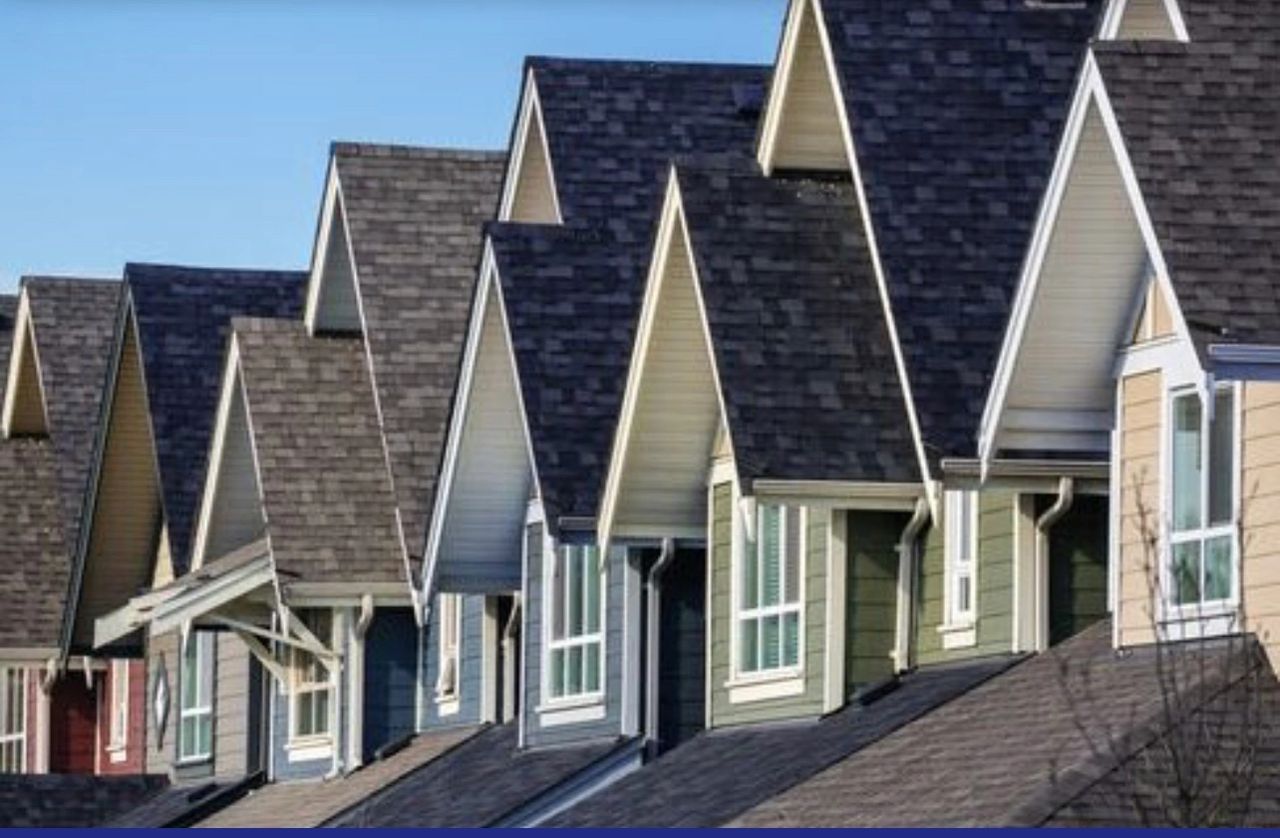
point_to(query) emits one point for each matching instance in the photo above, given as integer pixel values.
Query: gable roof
(800, 340)
(183, 317)
(1199, 125)
(613, 127)
(71, 800)
(34, 555)
(322, 471)
(8, 313)
(73, 325)
(955, 111)
(1251, 23)
(415, 217)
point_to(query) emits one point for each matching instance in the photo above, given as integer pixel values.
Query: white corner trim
(320, 248)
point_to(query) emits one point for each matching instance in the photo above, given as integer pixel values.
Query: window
(450, 634)
(575, 638)
(961, 516)
(312, 684)
(13, 720)
(769, 605)
(1201, 563)
(195, 709)
(119, 705)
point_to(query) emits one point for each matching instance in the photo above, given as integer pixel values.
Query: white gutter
(355, 690)
(1051, 516)
(652, 641)
(907, 548)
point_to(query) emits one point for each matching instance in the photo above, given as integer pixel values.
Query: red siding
(136, 740)
(72, 726)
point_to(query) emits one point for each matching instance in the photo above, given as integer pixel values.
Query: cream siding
(28, 414)
(337, 305)
(1260, 512)
(236, 517)
(534, 200)
(1141, 400)
(810, 135)
(1145, 20)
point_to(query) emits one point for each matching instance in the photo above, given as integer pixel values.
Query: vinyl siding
(1145, 20)
(809, 703)
(162, 662)
(994, 604)
(390, 687)
(28, 413)
(810, 135)
(231, 716)
(236, 516)
(871, 595)
(285, 770)
(337, 309)
(470, 674)
(537, 734)
(135, 739)
(1260, 521)
(534, 199)
(1078, 566)
(1139, 497)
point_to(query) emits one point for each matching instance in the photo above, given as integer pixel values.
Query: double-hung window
(195, 709)
(1201, 561)
(312, 685)
(769, 605)
(119, 708)
(574, 645)
(450, 643)
(13, 720)
(961, 517)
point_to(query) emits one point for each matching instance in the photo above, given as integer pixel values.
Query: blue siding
(308, 769)
(611, 725)
(470, 673)
(390, 678)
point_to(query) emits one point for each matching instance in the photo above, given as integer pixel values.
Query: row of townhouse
(848, 441)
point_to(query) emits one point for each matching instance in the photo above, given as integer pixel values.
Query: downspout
(355, 692)
(1051, 516)
(509, 662)
(907, 549)
(652, 639)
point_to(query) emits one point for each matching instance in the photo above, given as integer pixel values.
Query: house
(56, 338)
(144, 473)
(299, 539)
(802, 401)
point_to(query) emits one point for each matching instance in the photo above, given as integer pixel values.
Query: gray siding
(470, 674)
(611, 725)
(810, 702)
(231, 706)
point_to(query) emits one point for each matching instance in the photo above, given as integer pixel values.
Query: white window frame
(449, 654)
(203, 707)
(18, 736)
(962, 516)
(118, 708)
(299, 660)
(1214, 616)
(739, 614)
(550, 645)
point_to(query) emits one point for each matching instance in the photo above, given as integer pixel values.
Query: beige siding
(231, 707)
(809, 129)
(162, 655)
(1260, 518)
(337, 307)
(1156, 320)
(1145, 20)
(236, 518)
(28, 417)
(1139, 492)
(126, 514)
(534, 199)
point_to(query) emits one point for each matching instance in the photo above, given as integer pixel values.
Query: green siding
(995, 584)
(1078, 567)
(872, 595)
(808, 703)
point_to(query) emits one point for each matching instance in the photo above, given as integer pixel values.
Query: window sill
(959, 635)
(1191, 622)
(187, 762)
(782, 683)
(117, 753)
(568, 711)
(448, 705)
(309, 748)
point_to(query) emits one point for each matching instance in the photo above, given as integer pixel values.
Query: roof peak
(545, 61)
(346, 148)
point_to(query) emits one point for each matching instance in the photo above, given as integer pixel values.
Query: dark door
(682, 649)
(1077, 567)
(72, 725)
(390, 678)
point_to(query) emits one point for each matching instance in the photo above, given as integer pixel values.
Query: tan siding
(1140, 424)
(1260, 512)
(162, 654)
(809, 131)
(231, 707)
(338, 308)
(126, 515)
(28, 417)
(1145, 20)
(236, 519)
(534, 199)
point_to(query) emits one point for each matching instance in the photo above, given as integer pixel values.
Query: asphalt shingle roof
(474, 785)
(70, 800)
(956, 109)
(34, 556)
(180, 806)
(415, 218)
(1012, 752)
(73, 320)
(718, 775)
(325, 487)
(1251, 23)
(801, 345)
(613, 128)
(1201, 127)
(8, 312)
(183, 316)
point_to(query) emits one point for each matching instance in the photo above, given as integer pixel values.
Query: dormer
(529, 194)
(24, 412)
(333, 298)
(804, 120)
(1144, 20)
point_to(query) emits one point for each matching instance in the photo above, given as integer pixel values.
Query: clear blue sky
(196, 131)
